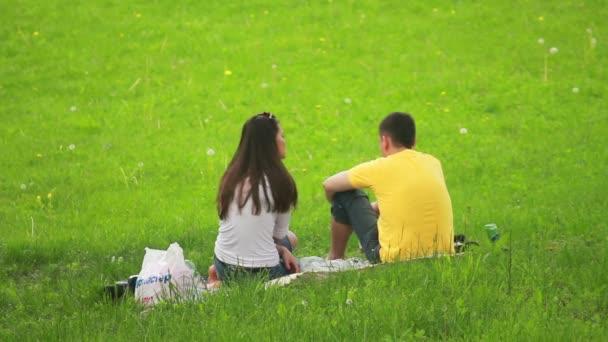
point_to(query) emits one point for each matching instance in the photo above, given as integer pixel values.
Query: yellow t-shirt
(415, 207)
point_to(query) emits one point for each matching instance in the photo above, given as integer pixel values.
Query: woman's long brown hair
(257, 160)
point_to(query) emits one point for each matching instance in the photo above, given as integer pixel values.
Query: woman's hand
(291, 263)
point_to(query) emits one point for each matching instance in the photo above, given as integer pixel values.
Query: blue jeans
(227, 272)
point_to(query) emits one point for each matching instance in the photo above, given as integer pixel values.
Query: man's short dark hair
(400, 127)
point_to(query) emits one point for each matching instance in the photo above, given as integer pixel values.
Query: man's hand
(291, 263)
(336, 183)
(376, 208)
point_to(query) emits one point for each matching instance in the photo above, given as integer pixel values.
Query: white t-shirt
(246, 239)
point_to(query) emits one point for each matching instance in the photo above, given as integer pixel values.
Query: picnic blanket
(318, 264)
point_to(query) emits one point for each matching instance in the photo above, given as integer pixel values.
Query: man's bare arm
(336, 183)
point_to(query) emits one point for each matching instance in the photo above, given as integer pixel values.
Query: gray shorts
(354, 208)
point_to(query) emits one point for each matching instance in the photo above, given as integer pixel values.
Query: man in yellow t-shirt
(412, 217)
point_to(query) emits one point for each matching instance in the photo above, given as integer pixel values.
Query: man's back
(415, 208)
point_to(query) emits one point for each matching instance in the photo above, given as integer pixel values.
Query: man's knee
(343, 198)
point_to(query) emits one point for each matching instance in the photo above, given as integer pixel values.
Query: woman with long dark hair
(254, 203)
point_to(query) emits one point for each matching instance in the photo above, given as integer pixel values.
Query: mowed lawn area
(118, 118)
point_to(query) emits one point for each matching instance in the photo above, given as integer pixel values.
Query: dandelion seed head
(140, 165)
(349, 301)
(264, 85)
(347, 100)
(553, 50)
(541, 41)
(589, 30)
(73, 108)
(304, 303)
(72, 147)
(210, 152)
(464, 130)
(575, 90)
(23, 186)
(274, 66)
(593, 41)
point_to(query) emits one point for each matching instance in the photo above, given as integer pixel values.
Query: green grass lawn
(118, 119)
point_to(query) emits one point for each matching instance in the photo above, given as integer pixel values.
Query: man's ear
(384, 142)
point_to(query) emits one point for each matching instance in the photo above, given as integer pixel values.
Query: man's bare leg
(340, 233)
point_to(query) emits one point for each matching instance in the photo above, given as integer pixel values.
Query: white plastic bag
(165, 275)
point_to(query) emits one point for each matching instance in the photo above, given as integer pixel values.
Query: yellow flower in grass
(322, 39)
(541, 18)
(36, 33)
(49, 195)
(228, 72)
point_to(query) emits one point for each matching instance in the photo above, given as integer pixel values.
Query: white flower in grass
(541, 41)
(73, 108)
(464, 130)
(593, 41)
(210, 151)
(23, 186)
(575, 90)
(140, 165)
(347, 100)
(72, 147)
(553, 50)
(304, 303)
(264, 85)
(589, 31)
(349, 301)
(274, 66)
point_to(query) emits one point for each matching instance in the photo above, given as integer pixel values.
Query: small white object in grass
(347, 100)
(593, 41)
(553, 50)
(589, 31)
(23, 186)
(349, 301)
(120, 260)
(264, 85)
(541, 41)
(73, 108)
(72, 147)
(274, 66)
(210, 152)
(575, 90)
(464, 130)
(305, 303)
(140, 165)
